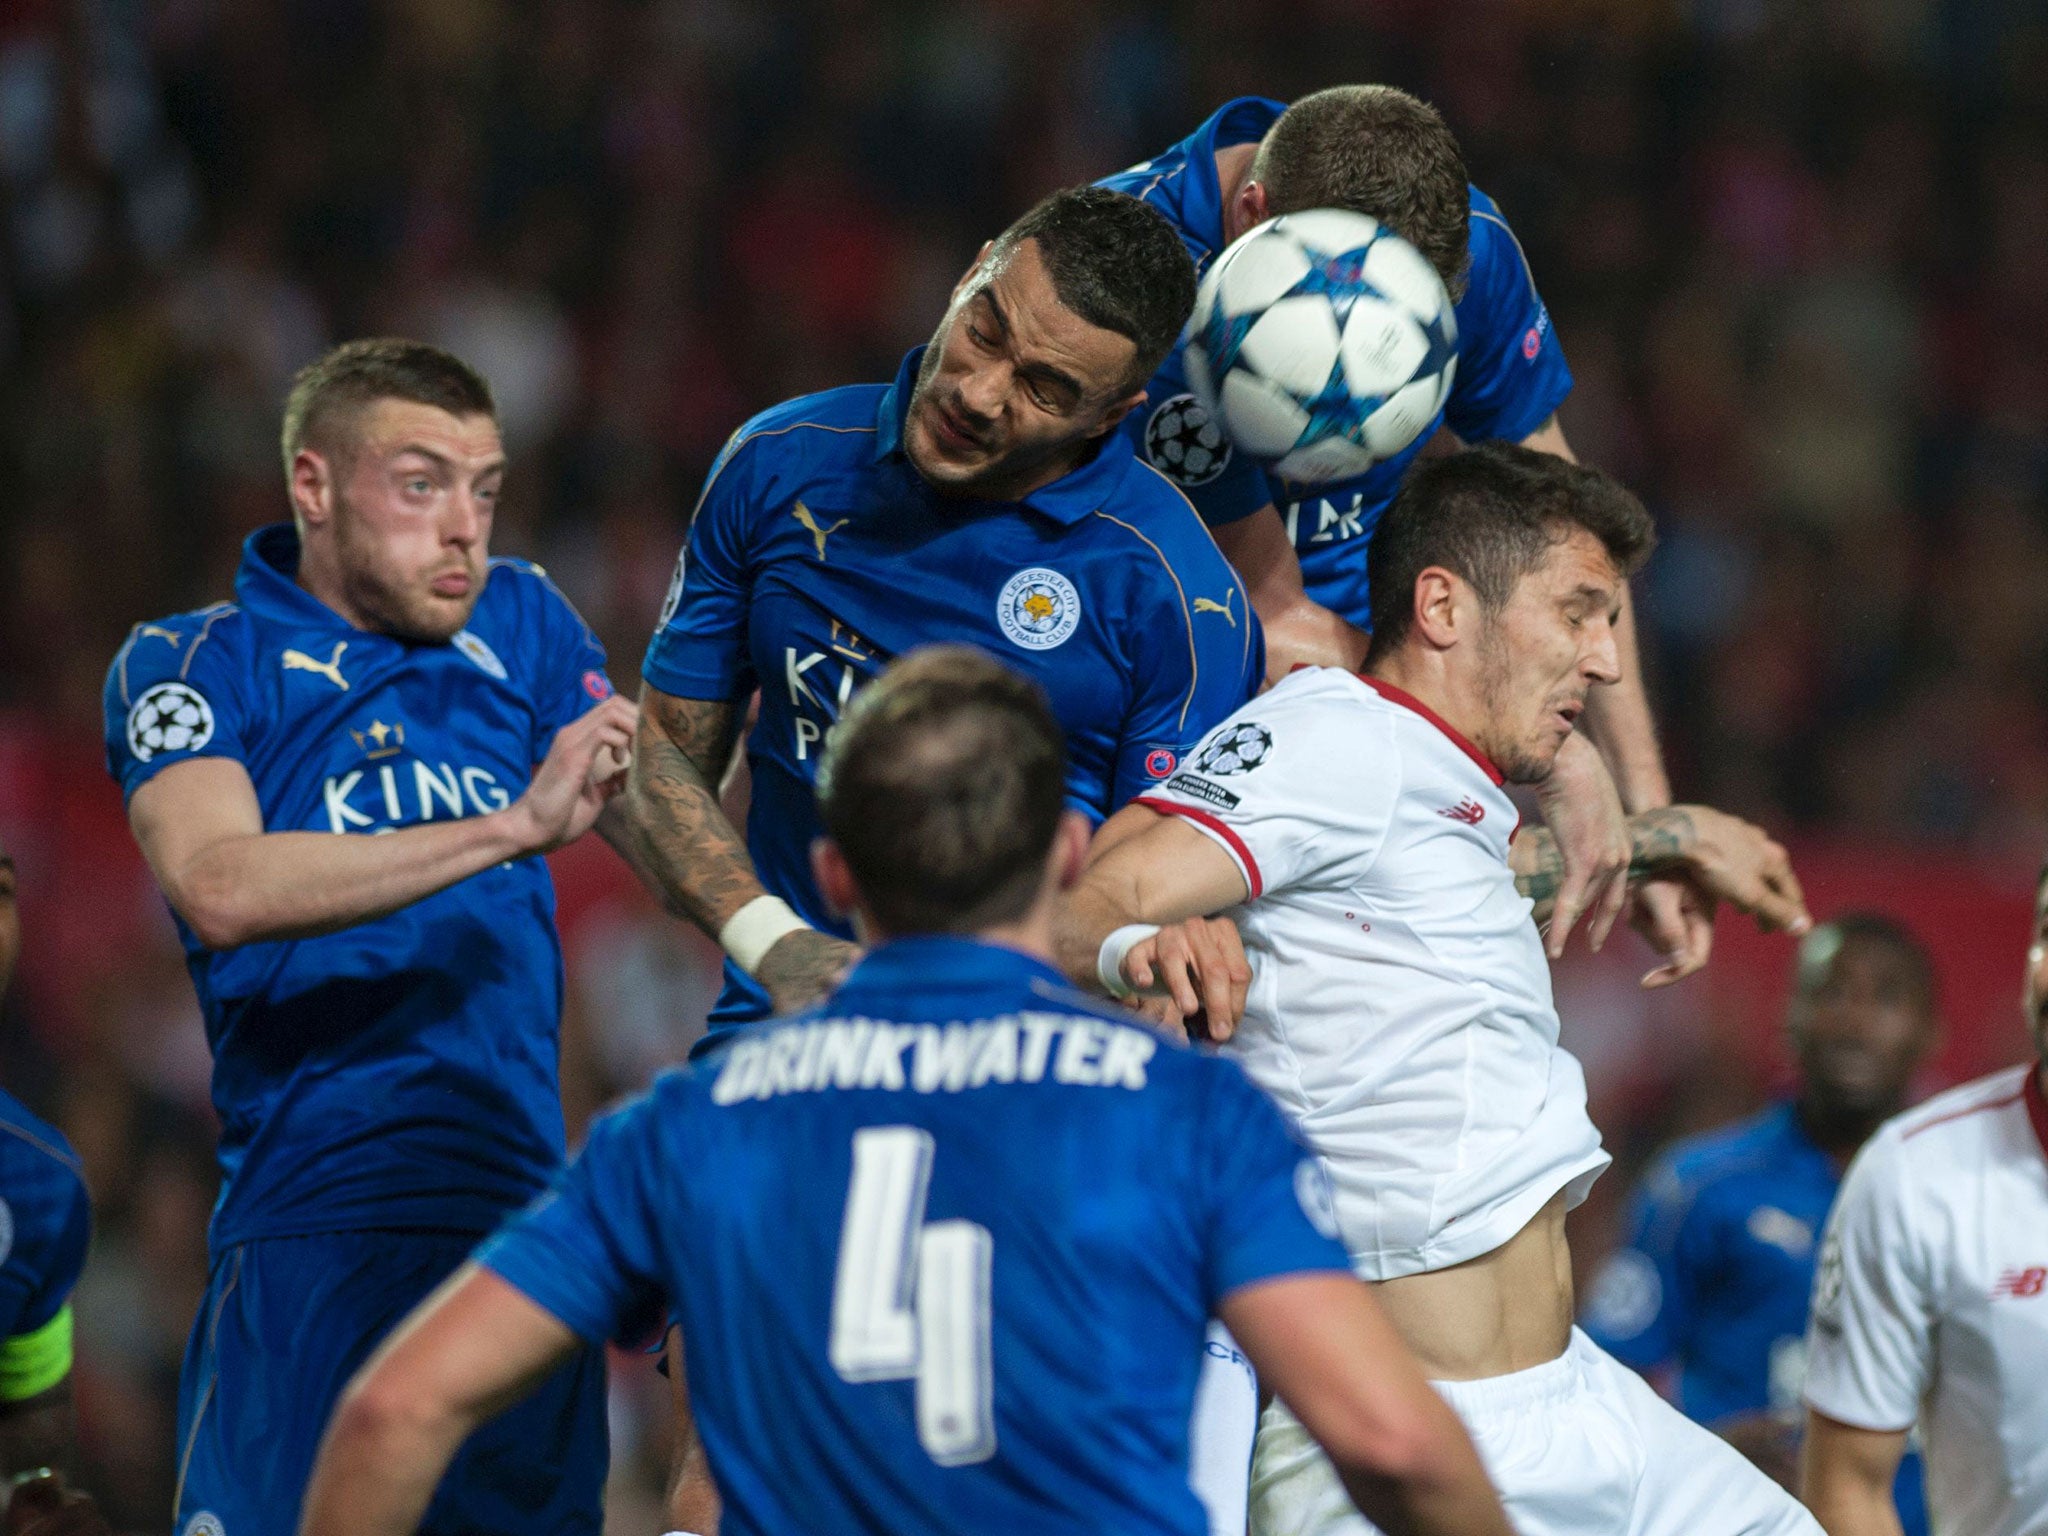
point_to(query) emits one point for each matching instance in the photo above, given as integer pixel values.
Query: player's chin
(1533, 763)
(948, 465)
(434, 620)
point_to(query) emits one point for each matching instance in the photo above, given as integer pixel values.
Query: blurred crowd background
(1792, 249)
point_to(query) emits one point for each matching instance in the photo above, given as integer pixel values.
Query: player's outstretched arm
(671, 827)
(1717, 857)
(471, 1350)
(1323, 1345)
(1845, 1477)
(1299, 631)
(201, 829)
(1165, 877)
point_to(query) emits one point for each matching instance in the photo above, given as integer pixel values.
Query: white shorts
(1220, 1433)
(1578, 1446)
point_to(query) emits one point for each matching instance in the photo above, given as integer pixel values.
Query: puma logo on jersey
(299, 661)
(1205, 605)
(159, 631)
(818, 535)
(2030, 1281)
(1470, 812)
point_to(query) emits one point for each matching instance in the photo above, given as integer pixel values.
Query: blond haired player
(1931, 1307)
(1399, 998)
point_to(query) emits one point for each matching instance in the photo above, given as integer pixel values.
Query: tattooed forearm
(1659, 841)
(676, 833)
(1539, 868)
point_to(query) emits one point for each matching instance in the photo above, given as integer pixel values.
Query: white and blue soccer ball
(1323, 343)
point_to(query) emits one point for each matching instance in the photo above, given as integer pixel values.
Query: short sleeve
(699, 649)
(571, 678)
(1294, 786)
(1200, 660)
(1640, 1307)
(1271, 1211)
(176, 690)
(1177, 437)
(1512, 375)
(588, 1250)
(1869, 1341)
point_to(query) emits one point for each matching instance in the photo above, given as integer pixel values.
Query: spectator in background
(1709, 1297)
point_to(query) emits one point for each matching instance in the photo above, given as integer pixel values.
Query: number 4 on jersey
(911, 1298)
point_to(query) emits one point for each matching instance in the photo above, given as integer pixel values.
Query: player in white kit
(1931, 1307)
(1398, 1004)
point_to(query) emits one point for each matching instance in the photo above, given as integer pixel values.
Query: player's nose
(465, 519)
(982, 391)
(1600, 662)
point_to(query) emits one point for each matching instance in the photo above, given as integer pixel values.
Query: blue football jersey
(944, 1250)
(817, 554)
(45, 1227)
(1511, 374)
(403, 1072)
(1715, 1279)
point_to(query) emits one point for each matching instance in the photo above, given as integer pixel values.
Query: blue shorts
(285, 1324)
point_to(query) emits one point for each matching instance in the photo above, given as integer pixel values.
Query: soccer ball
(1323, 342)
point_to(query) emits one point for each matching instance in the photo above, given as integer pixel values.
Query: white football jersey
(1931, 1303)
(1400, 1003)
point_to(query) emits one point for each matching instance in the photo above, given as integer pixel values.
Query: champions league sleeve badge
(171, 717)
(1185, 444)
(1038, 609)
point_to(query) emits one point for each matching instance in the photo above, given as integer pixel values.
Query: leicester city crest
(1038, 608)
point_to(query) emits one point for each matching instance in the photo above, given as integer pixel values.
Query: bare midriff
(1504, 1311)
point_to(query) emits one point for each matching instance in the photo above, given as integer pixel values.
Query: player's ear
(835, 879)
(1439, 605)
(1116, 411)
(1250, 208)
(312, 488)
(1069, 855)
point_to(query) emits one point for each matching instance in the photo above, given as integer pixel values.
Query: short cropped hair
(943, 785)
(1491, 515)
(1817, 951)
(1377, 151)
(1114, 261)
(328, 394)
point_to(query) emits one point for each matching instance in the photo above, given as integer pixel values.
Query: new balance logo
(1470, 812)
(299, 661)
(2030, 1281)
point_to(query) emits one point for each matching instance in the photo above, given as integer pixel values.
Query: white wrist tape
(1109, 960)
(752, 931)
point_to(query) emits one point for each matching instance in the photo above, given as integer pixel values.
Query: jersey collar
(1198, 200)
(911, 967)
(1408, 700)
(267, 585)
(1066, 500)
